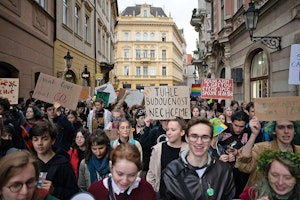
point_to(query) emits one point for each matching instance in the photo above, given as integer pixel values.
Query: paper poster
(51, 89)
(277, 108)
(167, 102)
(108, 88)
(134, 97)
(217, 88)
(9, 89)
(294, 70)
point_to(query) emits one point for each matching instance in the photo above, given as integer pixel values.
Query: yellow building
(149, 49)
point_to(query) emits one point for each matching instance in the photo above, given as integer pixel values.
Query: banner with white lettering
(217, 88)
(167, 102)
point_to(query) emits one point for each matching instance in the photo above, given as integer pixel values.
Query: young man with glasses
(196, 174)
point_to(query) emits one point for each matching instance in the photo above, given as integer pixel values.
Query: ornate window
(259, 76)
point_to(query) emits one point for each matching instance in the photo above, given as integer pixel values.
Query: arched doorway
(8, 71)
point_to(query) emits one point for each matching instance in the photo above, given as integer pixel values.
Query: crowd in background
(129, 156)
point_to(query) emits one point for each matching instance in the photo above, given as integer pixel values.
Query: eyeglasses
(141, 112)
(195, 137)
(16, 187)
(116, 119)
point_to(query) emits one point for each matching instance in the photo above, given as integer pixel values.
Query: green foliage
(268, 156)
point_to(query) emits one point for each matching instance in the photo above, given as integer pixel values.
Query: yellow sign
(98, 77)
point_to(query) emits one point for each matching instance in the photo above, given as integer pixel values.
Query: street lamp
(68, 60)
(85, 75)
(251, 19)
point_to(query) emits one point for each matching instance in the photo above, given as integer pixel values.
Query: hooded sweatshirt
(59, 171)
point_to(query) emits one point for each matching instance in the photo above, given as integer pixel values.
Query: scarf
(98, 168)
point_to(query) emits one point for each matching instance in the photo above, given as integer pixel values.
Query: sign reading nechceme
(217, 88)
(167, 102)
(51, 89)
(9, 89)
(277, 108)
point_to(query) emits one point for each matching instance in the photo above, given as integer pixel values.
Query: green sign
(104, 96)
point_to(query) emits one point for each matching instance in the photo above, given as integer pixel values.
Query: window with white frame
(138, 53)
(65, 12)
(126, 53)
(164, 71)
(42, 3)
(152, 53)
(152, 71)
(86, 28)
(145, 13)
(126, 70)
(145, 36)
(77, 19)
(259, 76)
(138, 71)
(145, 71)
(138, 36)
(164, 54)
(152, 36)
(126, 36)
(145, 53)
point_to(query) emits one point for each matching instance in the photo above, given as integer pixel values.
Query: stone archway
(8, 71)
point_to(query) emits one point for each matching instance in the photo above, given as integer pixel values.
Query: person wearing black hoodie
(55, 163)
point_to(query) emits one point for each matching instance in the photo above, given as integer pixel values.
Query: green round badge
(210, 192)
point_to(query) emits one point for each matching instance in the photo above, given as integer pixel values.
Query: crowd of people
(117, 152)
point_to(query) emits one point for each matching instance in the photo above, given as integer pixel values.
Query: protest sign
(277, 108)
(51, 89)
(104, 96)
(134, 97)
(217, 88)
(167, 102)
(9, 89)
(86, 92)
(294, 71)
(196, 90)
(108, 88)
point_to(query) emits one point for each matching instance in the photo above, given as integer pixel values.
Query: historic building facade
(26, 41)
(85, 29)
(149, 49)
(258, 67)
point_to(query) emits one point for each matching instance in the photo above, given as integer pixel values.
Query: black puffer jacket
(217, 182)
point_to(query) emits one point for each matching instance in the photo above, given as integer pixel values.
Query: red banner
(217, 88)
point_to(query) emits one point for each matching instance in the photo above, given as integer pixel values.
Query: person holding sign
(196, 174)
(283, 132)
(64, 127)
(99, 117)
